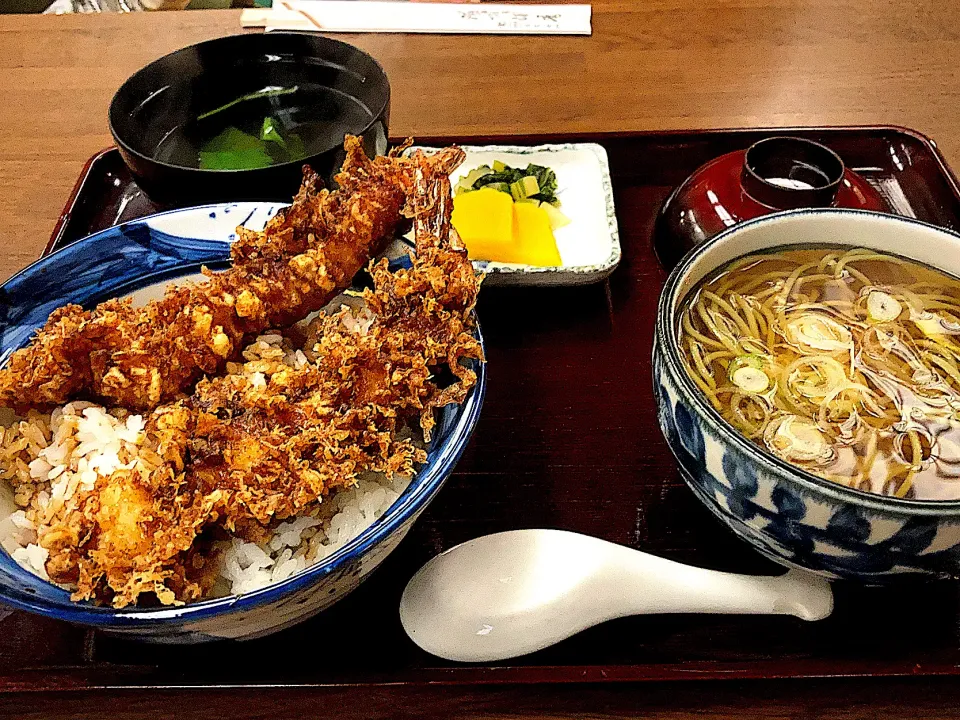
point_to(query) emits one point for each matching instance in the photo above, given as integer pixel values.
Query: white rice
(304, 541)
(46, 459)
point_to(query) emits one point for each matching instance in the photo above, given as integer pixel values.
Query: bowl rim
(127, 148)
(666, 340)
(430, 479)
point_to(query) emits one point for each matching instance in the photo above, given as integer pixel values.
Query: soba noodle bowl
(845, 363)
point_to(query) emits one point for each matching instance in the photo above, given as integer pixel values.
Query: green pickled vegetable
(467, 181)
(535, 182)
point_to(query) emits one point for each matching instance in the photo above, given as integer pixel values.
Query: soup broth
(271, 125)
(845, 363)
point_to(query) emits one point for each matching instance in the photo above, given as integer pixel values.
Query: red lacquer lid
(774, 174)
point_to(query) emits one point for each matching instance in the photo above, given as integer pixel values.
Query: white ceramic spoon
(513, 593)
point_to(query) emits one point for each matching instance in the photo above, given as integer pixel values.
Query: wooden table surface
(650, 64)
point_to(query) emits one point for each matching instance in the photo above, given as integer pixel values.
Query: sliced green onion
(748, 372)
(797, 440)
(882, 307)
(818, 332)
(751, 380)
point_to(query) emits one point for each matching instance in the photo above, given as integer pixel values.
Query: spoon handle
(657, 585)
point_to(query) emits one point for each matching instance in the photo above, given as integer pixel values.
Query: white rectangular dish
(590, 245)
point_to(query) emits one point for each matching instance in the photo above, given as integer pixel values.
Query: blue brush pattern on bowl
(790, 515)
(151, 252)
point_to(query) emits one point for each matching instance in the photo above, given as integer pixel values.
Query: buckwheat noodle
(843, 362)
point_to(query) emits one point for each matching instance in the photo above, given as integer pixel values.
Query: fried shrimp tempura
(140, 357)
(243, 452)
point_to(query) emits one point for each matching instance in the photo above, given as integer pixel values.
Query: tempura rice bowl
(308, 564)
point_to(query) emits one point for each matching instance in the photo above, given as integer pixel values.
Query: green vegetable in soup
(291, 145)
(270, 133)
(259, 94)
(234, 149)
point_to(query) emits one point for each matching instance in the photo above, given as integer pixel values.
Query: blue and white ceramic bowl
(786, 513)
(139, 258)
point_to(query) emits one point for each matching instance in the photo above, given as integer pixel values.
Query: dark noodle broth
(307, 119)
(845, 363)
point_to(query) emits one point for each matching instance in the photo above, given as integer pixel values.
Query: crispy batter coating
(140, 357)
(243, 452)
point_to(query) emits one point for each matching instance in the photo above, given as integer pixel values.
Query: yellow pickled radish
(532, 228)
(484, 221)
(493, 227)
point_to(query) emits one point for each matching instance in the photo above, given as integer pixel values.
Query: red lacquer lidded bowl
(774, 174)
